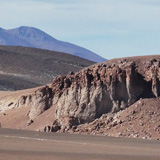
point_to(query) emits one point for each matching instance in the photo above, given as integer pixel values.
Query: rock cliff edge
(84, 96)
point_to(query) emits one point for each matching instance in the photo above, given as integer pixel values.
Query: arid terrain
(117, 98)
(79, 80)
(23, 67)
(18, 144)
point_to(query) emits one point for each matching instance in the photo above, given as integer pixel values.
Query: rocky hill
(119, 98)
(35, 38)
(23, 67)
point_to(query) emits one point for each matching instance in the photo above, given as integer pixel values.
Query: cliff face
(106, 87)
(99, 89)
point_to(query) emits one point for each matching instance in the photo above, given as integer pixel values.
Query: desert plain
(20, 144)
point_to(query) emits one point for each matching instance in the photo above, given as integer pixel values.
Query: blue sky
(110, 28)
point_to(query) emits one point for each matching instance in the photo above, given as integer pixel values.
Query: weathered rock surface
(106, 87)
(84, 96)
(40, 100)
(140, 120)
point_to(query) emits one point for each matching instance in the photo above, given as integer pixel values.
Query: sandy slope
(140, 120)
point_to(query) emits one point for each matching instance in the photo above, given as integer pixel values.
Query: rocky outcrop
(104, 88)
(140, 120)
(39, 101)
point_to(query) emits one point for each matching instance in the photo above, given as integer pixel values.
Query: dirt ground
(30, 145)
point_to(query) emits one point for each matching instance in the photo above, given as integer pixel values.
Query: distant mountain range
(33, 37)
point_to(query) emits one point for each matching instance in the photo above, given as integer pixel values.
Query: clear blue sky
(110, 28)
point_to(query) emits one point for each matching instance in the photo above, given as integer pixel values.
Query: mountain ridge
(33, 37)
(24, 67)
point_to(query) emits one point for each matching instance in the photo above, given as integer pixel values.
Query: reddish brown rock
(85, 96)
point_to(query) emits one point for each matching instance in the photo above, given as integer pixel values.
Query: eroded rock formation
(104, 88)
(99, 89)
